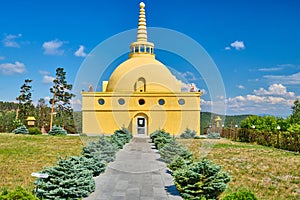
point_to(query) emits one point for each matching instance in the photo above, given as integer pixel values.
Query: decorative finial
(142, 5)
(142, 30)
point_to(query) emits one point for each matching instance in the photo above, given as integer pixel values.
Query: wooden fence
(278, 139)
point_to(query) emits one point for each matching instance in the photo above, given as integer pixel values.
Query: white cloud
(227, 48)
(9, 40)
(12, 68)
(48, 79)
(47, 98)
(275, 100)
(80, 52)
(53, 47)
(241, 87)
(43, 72)
(187, 75)
(270, 69)
(2, 57)
(275, 89)
(238, 45)
(292, 79)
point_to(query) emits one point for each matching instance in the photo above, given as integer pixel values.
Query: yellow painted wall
(172, 117)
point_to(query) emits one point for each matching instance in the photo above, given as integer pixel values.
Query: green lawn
(270, 173)
(20, 155)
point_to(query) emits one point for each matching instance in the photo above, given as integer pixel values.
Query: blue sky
(255, 45)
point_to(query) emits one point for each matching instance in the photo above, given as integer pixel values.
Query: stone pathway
(136, 174)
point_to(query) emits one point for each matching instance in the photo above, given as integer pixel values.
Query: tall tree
(295, 117)
(61, 100)
(25, 101)
(42, 112)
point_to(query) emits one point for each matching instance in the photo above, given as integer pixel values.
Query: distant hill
(207, 118)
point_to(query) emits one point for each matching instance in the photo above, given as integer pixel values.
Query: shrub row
(194, 180)
(56, 130)
(279, 139)
(72, 178)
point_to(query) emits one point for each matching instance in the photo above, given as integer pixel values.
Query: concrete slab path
(136, 174)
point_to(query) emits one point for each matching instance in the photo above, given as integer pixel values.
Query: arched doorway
(141, 125)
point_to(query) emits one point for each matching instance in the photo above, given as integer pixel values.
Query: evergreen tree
(188, 133)
(25, 102)
(43, 111)
(61, 100)
(295, 117)
(102, 151)
(172, 149)
(201, 179)
(69, 179)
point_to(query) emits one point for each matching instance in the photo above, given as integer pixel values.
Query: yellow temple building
(141, 95)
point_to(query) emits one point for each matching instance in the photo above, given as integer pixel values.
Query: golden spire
(141, 46)
(142, 29)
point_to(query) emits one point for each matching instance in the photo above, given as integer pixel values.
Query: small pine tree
(121, 137)
(188, 133)
(57, 130)
(21, 130)
(201, 179)
(91, 164)
(179, 162)
(103, 150)
(172, 149)
(69, 179)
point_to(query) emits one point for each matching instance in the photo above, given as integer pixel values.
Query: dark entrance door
(141, 125)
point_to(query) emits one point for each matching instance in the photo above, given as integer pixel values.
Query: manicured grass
(270, 173)
(20, 155)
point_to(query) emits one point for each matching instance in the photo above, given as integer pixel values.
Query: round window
(121, 101)
(141, 101)
(181, 101)
(161, 101)
(101, 101)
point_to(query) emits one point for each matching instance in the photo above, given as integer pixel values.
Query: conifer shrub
(121, 137)
(34, 131)
(91, 164)
(242, 194)
(188, 134)
(172, 149)
(159, 133)
(16, 194)
(213, 136)
(200, 180)
(69, 179)
(102, 151)
(57, 130)
(179, 162)
(21, 130)
(160, 138)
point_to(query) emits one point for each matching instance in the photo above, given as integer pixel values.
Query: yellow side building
(141, 95)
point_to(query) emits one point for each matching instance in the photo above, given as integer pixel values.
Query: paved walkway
(136, 174)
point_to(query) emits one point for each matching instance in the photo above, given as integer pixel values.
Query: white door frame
(141, 125)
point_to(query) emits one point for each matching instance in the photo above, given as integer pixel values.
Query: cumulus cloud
(227, 48)
(10, 40)
(293, 79)
(276, 100)
(53, 47)
(80, 52)
(12, 68)
(48, 79)
(238, 45)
